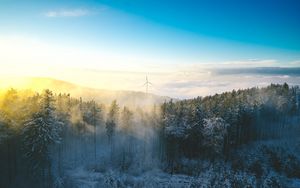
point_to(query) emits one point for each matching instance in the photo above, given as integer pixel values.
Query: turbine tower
(147, 83)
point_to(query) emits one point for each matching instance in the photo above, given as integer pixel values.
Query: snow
(211, 174)
(84, 178)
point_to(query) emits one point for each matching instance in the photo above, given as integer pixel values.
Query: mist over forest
(150, 94)
(241, 138)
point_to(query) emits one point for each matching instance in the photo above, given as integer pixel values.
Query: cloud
(195, 84)
(69, 13)
(102, 68)
(295, 63)
(282, 71)
(241, 63)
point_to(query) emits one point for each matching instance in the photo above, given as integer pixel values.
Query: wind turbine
(147, 83)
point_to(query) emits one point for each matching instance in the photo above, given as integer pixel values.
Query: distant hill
(128, 98)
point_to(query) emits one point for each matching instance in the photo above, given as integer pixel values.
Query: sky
(181, 45)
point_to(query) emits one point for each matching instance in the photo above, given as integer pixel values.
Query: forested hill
(243, 138)
(124, 98)
(250, 114)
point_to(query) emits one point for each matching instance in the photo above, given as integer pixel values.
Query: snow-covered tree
(4, 129)
(214, 131)
(111, 124)
(192, 144)
(39, 133)
(112, 119)
(126, 120)
(127, 127)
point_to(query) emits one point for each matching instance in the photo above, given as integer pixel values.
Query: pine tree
(63, 115)
(126, 120)
(126, 123)
(96, 118)
(111, 123)
(5, 132)
(39, 133)
(214, 130)
(195, 117)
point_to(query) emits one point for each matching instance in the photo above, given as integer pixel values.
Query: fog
(53, 139)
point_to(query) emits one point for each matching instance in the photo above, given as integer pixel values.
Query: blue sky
(146, 37)
(198, 31)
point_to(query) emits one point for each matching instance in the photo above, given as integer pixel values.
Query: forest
(241, 138)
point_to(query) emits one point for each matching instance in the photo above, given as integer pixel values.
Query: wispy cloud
(69, 13)
(280, 71)
(295, 63)
(243, 63)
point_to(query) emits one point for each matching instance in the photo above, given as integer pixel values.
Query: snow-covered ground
(212, 174)
(84, 178)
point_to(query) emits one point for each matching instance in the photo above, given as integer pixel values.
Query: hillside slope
(128, 98)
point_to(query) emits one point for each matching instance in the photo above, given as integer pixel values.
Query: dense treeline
(213, 126)
(43, 135)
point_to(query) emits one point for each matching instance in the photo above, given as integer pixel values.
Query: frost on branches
(214, 131)
(40, 132)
